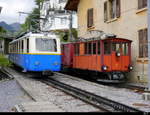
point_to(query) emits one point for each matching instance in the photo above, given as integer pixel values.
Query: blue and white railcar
(37, 52)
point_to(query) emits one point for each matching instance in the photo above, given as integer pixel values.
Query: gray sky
(11, 8)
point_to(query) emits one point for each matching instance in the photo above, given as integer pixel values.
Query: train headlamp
(130, 67)
(37, 63)
(56, 63)
(104, 68)
(118, 54)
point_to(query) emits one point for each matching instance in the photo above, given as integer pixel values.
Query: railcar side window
(94, 48)
(86, 48)
(22, 46)
(107, 48)
(99, 48)
(17, 46)
(89, 48)
(76, 49)
(47, 45)
(27, 45)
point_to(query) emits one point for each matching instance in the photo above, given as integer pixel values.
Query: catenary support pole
(70, 26)
(148, 44)
(0, 9)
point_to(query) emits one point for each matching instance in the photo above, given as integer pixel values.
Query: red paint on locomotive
(114, 54)
(67, 55)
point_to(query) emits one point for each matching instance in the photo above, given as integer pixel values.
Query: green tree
(3, 61)
(38, 2)
(32, 22)
(65, 36)
(2, 30)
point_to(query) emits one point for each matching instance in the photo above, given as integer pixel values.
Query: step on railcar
(36, 52)
(109, 59)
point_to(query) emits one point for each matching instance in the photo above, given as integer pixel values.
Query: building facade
(124, 18)
(55, 17)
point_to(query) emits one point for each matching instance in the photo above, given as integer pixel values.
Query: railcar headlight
(37, 63)
(104, 68)
(130, 67)
(118, 54)
(56, 63)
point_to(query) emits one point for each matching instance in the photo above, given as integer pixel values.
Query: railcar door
(120, 56)
(116, 56)
(107, 55)
(94, 56)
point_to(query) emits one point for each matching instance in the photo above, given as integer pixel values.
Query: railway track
(94, 99)
(98, 101)
(137, 89)
(133, 88)
(4, 75)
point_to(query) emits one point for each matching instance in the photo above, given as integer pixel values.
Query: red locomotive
(110, 58)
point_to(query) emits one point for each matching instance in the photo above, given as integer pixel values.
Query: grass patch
(4, 62)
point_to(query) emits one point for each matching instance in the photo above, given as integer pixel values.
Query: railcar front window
(122, 48)
(125, 48)
(46, 45)
(117, 47)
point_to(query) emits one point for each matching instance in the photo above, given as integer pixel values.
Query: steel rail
(91, 98)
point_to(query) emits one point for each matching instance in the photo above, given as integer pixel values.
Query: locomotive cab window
(107, 48)
(76, 49)
(89, 48)
(46, 45)
(99, 48)
(125, 48)
(121, 48)
(117, 47)
(86, 48)
(94, 48)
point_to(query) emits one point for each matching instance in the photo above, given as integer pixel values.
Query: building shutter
(105, 11)
(139, 4)
(140, 43)
(144, 3)
(145, 43)
(90, 17)
(118, 8)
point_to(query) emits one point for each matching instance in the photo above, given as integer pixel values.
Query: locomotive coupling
(47, 73)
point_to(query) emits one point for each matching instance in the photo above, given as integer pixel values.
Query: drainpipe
(148, 1)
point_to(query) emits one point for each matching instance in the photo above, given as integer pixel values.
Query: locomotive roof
(30, 34)
(95, 39)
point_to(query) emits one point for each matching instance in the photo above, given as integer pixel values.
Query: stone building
(55, 17)
(124, 18)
